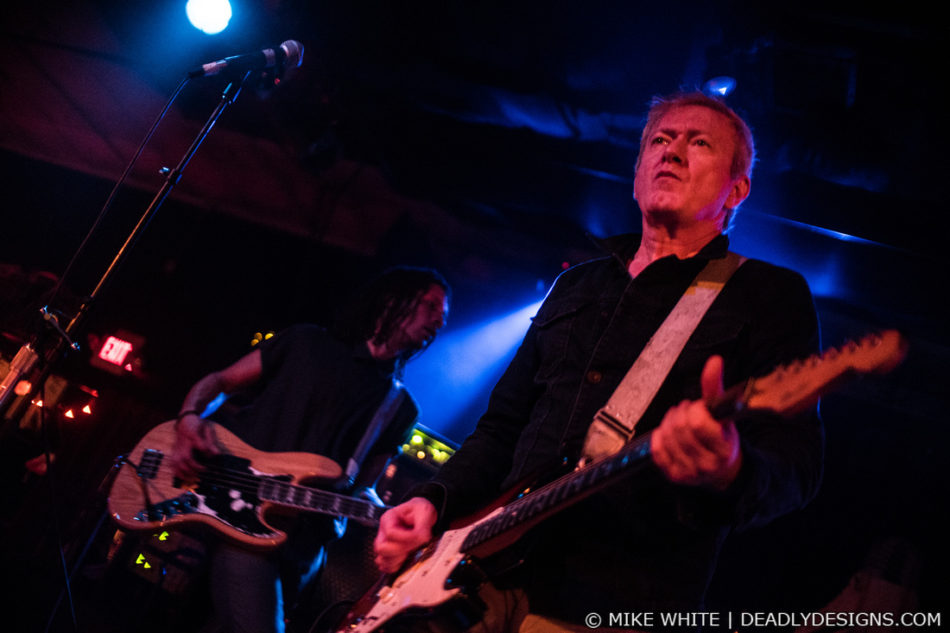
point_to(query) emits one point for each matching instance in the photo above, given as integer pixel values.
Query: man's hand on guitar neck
(691, 447)
(402, 530)
(193, 436)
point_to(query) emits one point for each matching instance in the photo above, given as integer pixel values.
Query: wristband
(184, 414)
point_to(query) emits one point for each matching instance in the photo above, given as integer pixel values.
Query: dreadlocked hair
(376, 310)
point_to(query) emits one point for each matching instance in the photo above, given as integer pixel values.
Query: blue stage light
(452, 380)
(209, 16)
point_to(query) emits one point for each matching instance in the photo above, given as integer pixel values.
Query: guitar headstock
(794, 387)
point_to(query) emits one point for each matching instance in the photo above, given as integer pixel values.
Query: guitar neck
(286, 494)
(787, 390)
(533, 507)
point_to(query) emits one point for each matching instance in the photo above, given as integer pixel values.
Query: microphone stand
(32, 353)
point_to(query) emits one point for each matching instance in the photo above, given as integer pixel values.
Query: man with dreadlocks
(316, 391)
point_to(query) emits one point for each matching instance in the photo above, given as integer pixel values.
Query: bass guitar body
(231, 495)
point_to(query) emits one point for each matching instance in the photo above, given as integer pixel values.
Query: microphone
(288, 55)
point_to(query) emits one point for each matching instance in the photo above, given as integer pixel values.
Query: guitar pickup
(149, 464)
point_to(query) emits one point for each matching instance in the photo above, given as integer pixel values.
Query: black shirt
(644, 543)
(318, 395)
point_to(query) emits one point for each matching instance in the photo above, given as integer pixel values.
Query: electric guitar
(443, 570)
(231, 494)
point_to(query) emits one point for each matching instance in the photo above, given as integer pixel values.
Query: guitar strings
(533, 502)
(250, 483)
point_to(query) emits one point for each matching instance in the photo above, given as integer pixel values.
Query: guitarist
(648, 543)
(315, 391)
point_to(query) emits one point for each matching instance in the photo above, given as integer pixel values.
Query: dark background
(484, 139)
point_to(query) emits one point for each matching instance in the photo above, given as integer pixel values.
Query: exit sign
(115, 351)
(119, 353)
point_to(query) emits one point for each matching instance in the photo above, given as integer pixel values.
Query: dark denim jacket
(643, 542)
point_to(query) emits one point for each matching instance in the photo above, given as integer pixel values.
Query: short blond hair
(743, 156)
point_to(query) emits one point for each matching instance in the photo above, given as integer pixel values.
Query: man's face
(684, 172)
(420, 326)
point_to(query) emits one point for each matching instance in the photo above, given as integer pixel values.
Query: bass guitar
(442, 571)
(232, 493)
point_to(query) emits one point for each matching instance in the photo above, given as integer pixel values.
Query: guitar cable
(149, 506)
(117, 463)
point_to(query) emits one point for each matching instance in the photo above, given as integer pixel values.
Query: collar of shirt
(624, 247)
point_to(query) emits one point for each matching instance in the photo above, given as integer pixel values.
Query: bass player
(316, 391)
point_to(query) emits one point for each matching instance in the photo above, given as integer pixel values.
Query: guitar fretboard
(304, 498)
(560, 492)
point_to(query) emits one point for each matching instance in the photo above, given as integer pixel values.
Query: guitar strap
(613, 425)
(387, 409)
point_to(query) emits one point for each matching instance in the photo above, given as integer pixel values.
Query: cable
(115, 190)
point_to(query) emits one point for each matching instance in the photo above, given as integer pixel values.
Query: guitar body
(439, 577)
(146, 494)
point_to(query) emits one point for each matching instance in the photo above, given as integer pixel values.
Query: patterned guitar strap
(613, 425)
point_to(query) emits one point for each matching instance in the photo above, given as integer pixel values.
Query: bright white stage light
(210, 16)
(719, 86)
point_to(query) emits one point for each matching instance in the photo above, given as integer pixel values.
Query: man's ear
(739, 192)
